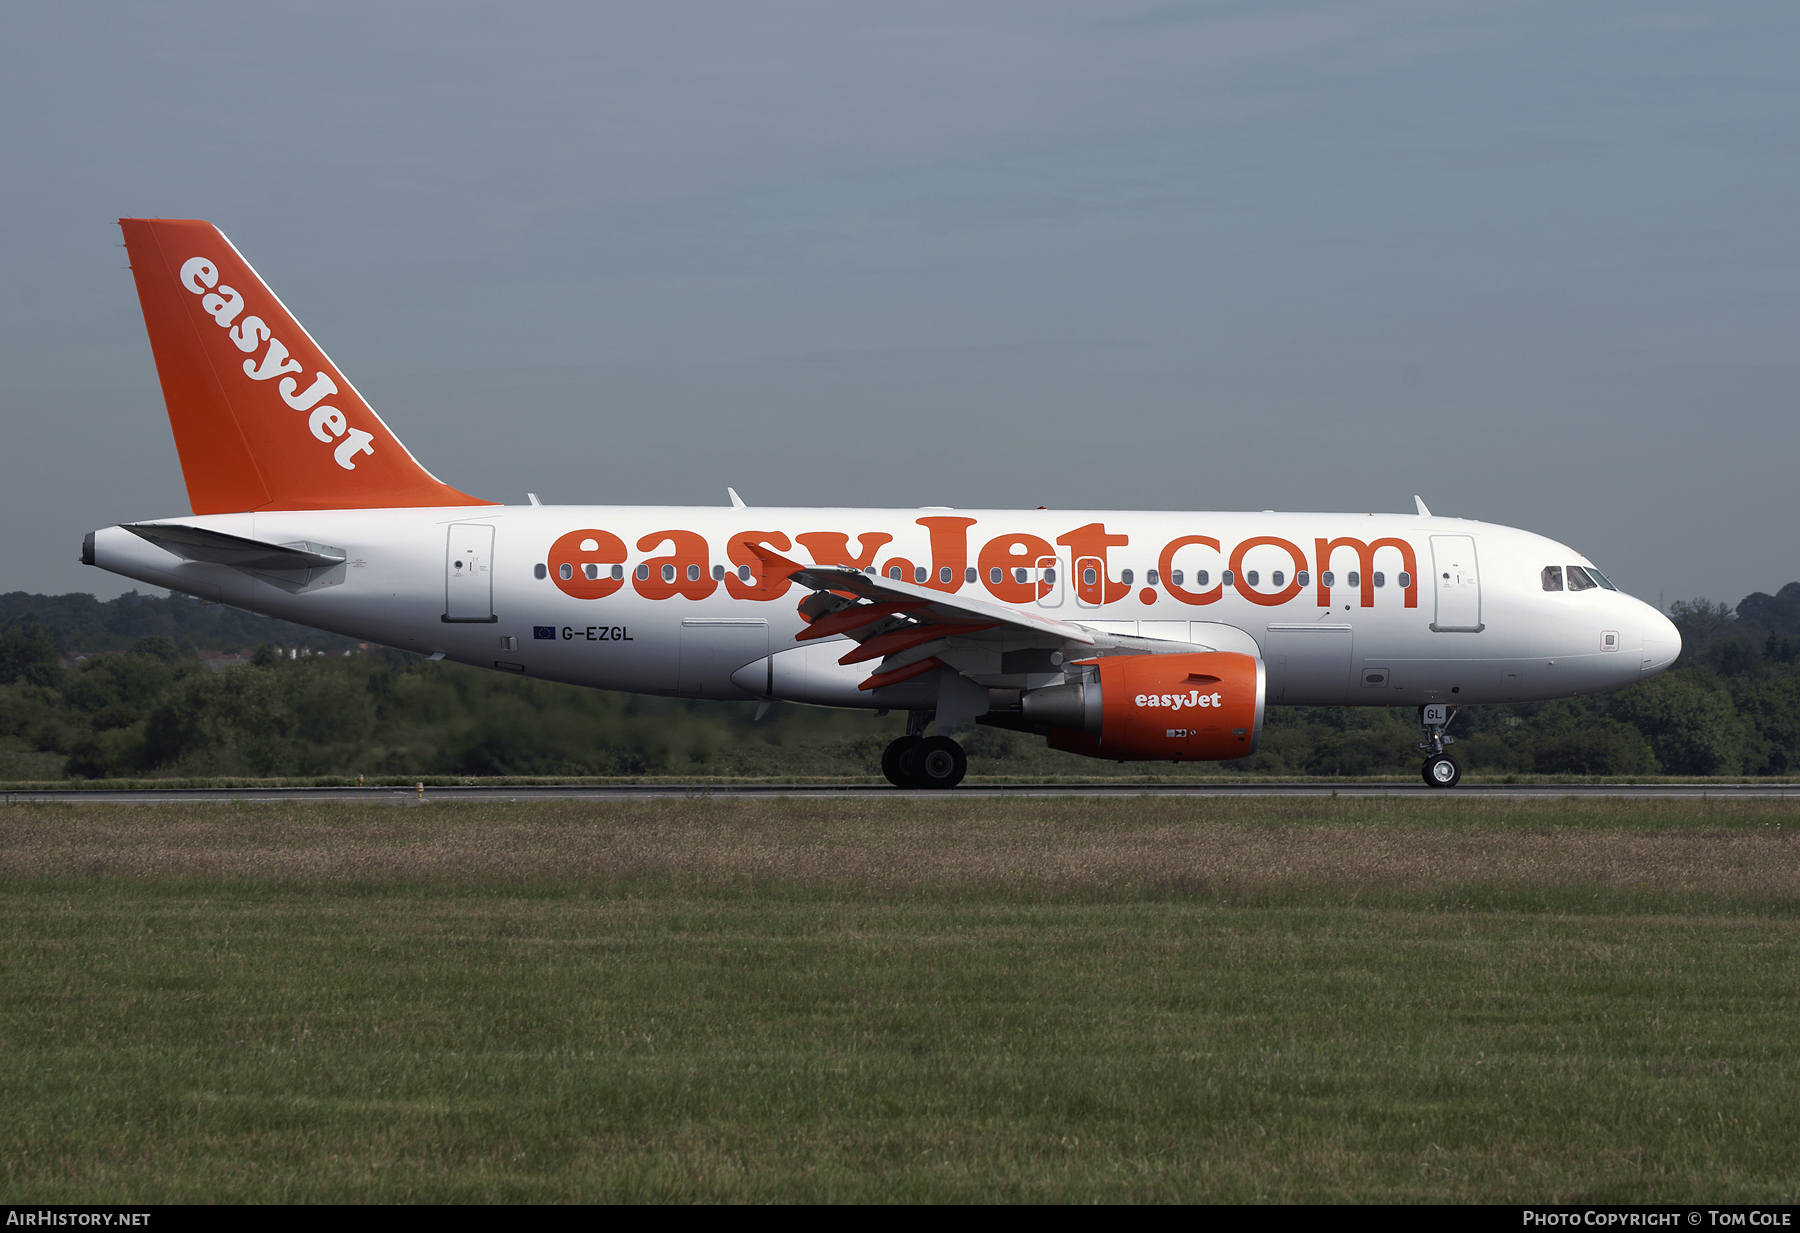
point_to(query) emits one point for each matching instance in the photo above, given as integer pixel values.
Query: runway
(477, 793)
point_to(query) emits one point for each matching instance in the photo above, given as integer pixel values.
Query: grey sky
(1537, 262)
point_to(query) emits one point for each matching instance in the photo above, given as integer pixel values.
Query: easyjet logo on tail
(225, 305)
(1013, 567)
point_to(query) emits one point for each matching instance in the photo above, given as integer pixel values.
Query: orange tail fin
(263, 419)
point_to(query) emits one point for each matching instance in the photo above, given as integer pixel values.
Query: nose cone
(1662, 642)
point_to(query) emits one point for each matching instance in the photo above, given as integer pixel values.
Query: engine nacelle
(1204, 707)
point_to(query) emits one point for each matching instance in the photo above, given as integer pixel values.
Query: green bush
(1689, 720)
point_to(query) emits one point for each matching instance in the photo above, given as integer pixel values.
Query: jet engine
(1204, 707)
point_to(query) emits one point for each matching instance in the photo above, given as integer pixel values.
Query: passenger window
(1579, 581)
(1150, 577)
(1252, 577)
(1089, 577)
(1021, 574)
(944, 574)
(1328, 578)
(618, 573)
(1405, 579)
(565, 571)
(1175, 577)
(693, 573)
(921, 573)
(743, 573)
(994, 575)
(592, 571)
(894, 572)
(668, 573)
(1125, 576)
(643, 573)
(1050, 577)
(1200, 578)
(1303, 578)
(1380, 579)
(969, 575)
(539, 571)
(1278, 579)
(718, 572)
(1355, 578)
(1224, 577)
(1552, 577)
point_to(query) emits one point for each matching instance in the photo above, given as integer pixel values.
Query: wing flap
(939, 607)
(906, 626)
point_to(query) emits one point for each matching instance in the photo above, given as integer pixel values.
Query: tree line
(143, 703)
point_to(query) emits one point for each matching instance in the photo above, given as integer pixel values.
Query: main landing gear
(919, 761)
(1441, 770)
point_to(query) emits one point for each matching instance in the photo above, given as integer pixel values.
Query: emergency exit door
(468, 573)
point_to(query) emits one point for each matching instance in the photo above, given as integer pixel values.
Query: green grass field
(1137, 1000)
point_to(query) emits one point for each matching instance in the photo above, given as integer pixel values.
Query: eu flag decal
(541, 632)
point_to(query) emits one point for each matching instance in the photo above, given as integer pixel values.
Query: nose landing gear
(919, 761)
(1441, 770)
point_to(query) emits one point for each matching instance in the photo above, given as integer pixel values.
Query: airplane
(1123, 635)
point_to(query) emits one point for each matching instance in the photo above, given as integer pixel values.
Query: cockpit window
(1552, 577)
(1601, 578)
(1579, 580)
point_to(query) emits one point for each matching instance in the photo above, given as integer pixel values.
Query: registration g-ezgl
(1116, 634)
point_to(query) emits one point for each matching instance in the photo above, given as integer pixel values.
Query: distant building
(218, 661)
(74, 659)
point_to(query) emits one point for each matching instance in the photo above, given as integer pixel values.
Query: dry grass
(1233, 846)
(1065, 1000)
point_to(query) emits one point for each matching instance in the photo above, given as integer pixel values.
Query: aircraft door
(1456, 583)
(468, 573)
(1049, 582)
(1090, 582)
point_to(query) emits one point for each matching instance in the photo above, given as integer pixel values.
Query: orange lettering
(690, 550)
(570, 563)
(1257, 597)
(1006, 553)
(833, 547)
(949, 550)
(1166, 563)
(1365, 556)
(738, 549)
(1092, 541)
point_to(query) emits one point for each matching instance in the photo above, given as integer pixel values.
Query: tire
(892, 761)
(1443, 771)
(935, 762)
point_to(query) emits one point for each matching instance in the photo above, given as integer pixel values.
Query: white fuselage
(1400, 610)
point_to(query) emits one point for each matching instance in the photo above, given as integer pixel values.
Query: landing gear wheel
(892, 761)
(1441, 771)
(935, 762)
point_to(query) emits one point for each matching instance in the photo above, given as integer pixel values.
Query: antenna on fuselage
(1420, 502)
(737, 502)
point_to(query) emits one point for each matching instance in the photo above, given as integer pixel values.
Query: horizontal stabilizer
(218, 548)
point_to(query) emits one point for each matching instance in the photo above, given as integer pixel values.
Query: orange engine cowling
(1205, 707)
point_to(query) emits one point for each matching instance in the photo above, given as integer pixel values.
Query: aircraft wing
(912, 629)
(938, 605)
